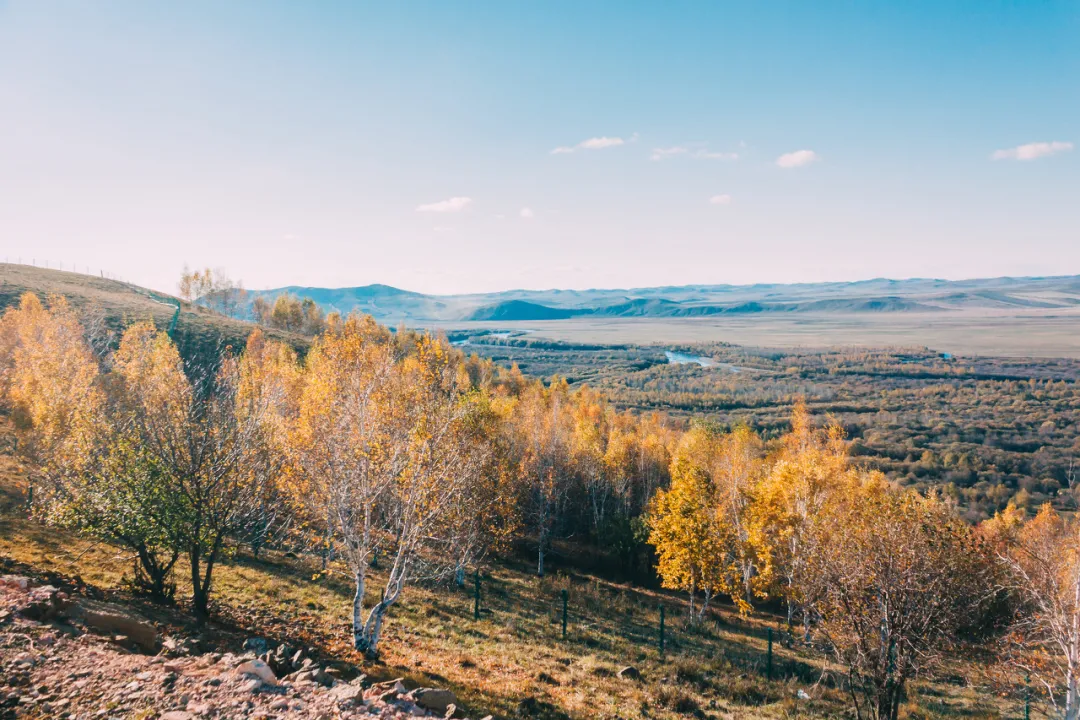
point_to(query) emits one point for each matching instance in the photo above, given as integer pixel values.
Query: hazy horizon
(478, 148)
(675, 285)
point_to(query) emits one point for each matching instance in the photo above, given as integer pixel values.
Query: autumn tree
(94, 474)
(390, 446)
(50, 379)
(213, 289)
(699, 525)
(268, 371)
(689, 539)
(810, 465)
(1041, 558)
(202, 436)
(636, 463)
(589, 441)
(291, 313)
(893, 579)
(542, 430)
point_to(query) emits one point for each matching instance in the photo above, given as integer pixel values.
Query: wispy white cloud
(526, 213)
(670, 152)
(1032, 151)
(723, 199)
(599, 143)
(454, 204)
(706, 155)
(596, 143)
(665, 153)
(799, 158)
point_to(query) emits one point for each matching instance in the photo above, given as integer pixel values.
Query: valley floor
(1032, 333)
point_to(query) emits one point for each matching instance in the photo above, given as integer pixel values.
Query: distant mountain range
(392, 305)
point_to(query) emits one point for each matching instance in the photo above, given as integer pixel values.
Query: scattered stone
(256, 645)
(87, 676)
(19, 582)
(258, 669)
(110, 618)
(43, 603)
(345, 694)
(323, 677)
(629, 673)
(434, 699)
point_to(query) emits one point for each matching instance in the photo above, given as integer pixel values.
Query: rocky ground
(72, 657)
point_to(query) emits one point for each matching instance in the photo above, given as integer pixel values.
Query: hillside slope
(513, 662)
(117, 304)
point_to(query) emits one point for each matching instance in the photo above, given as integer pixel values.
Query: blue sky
(450, 147)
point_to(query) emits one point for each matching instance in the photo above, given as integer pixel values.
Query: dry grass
(119, 303)
(515, 651)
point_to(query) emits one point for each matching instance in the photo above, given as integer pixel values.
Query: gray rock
(436, 699)
(346, 694)
(258, 669)
(256, 645)
(109, 618)
(43, 603)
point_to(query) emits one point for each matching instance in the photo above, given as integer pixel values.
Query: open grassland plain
(1026, 332)
(513, 661)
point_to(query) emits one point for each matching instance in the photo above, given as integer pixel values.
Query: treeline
(981, 437)
(396, 446)
(214, 289)
(376, 444)
(291, 313)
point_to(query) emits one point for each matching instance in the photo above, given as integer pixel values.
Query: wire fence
(77, 268)
(631, 621)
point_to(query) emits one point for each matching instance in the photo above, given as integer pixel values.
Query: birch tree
(699, 524)
(1042, 562)
(543, 428)
(893, 579)
(389, 447)
(809, 467)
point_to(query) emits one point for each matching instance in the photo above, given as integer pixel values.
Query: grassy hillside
(513, 661)
(198, 331)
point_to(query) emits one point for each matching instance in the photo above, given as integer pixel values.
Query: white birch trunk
(357, 612)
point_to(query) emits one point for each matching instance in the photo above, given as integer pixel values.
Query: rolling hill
(392, 305)
(197, 330)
